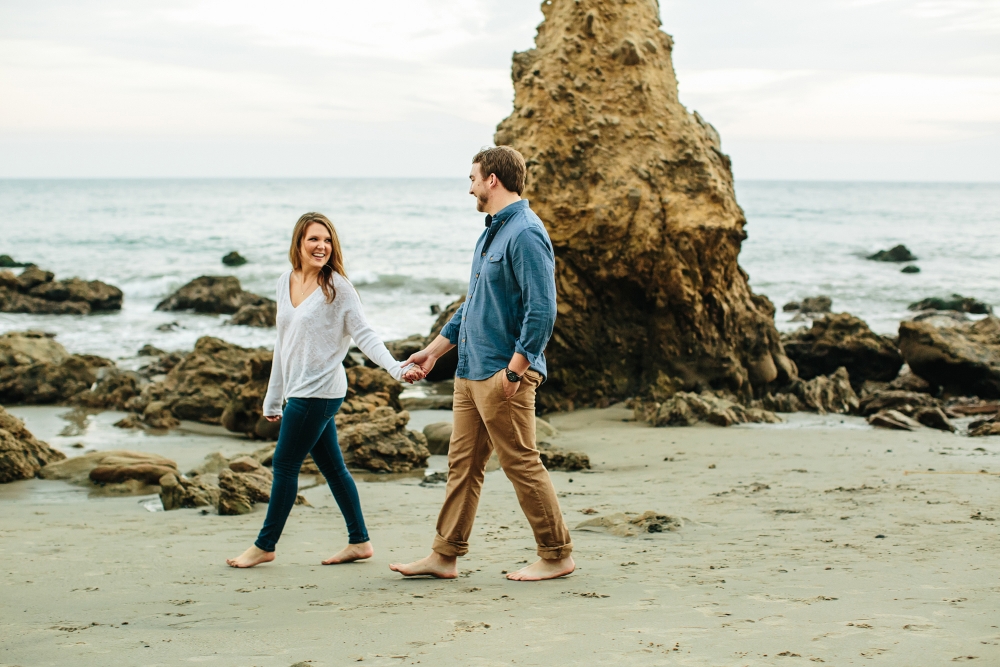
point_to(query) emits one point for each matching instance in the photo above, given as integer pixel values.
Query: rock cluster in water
(222, 295)
(37, 291)
(637, 197)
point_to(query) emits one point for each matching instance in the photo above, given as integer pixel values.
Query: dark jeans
(307, 427)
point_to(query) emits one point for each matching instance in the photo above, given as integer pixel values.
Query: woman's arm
(368, 342)
(275, 385)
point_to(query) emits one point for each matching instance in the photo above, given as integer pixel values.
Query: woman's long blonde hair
(334, 264)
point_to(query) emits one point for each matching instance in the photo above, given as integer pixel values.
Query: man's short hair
(507, 163)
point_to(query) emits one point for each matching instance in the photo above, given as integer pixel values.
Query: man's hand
(423, 359)
(272, 418)
(413, 374)
(509, 388)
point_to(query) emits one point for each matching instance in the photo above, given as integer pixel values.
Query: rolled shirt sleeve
(533, 264)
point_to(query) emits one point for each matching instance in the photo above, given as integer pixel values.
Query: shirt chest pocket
(493, 267)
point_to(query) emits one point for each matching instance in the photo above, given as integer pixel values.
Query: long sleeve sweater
(313, 340)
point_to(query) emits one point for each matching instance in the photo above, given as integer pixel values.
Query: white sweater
(312, 342)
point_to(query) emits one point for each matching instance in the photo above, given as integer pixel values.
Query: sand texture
(767, 554)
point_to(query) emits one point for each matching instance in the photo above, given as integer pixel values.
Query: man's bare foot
(250, 557)
(435, 565)
(544, 568)
(351, 553)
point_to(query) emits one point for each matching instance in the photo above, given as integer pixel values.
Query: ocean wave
(412, 284)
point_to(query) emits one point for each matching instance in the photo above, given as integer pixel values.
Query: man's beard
(481, 202)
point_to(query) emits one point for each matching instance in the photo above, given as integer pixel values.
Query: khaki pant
(485, 419)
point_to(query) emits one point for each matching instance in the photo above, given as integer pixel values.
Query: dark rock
(934, 418)
(941, 318)
(132, 421)
(177, 491)
(909, 381)
(32, 277)
(812, 304)
(891, 419)
(687, 409)
(438, 436)
(827, 394)
(556, 458)
(957, 302)
(782, 402)
(906, 402)
(212, 294)
(262, 316)
(36, 369)
(910, 269)
(36, 291)
(22, 455)
(111, 391)
(843, 340)
(150, 351)
(234, 259)
(381, 443)
(985, 427)
(445, 367)
(792, 306)
(898, 253)
(8, 262)
(963, 360)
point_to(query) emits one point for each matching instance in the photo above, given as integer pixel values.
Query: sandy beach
(800, 542)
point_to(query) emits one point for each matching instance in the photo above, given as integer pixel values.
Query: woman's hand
(413, 374)
(272, 418)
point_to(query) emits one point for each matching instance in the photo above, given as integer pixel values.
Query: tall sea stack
(638, 199)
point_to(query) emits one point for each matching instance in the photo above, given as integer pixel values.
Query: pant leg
(302, 422)
(468, 453)
(327, 455)
(511, 427)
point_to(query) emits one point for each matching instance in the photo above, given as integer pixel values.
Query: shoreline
(743, 581)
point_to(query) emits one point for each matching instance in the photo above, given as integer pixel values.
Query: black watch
(512, 376)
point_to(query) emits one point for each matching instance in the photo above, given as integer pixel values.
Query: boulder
(687, 409)
(111, 467)
(8, 262)
(445, 367)
(403, 348)
(934, 418)
(240, 491)
(637, 197)
(843, 340)
(177, 491)
(234, 258)
(893, 419)
(438, 436)
(37, 291)
(899, 253)
(812, 304)
(985, 427)
(36, 369)
(22, 455)
(556, 458)
(112, 389)
(907, 402)
(963, 360)
(261, 316)
(782, 402)
(956, 302)
(912, 268)
(212, 294)
(380, 442)
(827, 394)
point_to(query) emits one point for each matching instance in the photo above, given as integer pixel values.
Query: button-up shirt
(511, 303)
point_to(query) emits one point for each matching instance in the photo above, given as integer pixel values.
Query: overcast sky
(804, 89)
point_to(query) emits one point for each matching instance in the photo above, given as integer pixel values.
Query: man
(501, 331)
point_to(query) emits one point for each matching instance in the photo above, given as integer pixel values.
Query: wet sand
(778, 562)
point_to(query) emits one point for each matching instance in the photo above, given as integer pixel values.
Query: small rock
(624, 524)
(555, 458)
(893, 419)
(899, 253)
(148, 350)
(956, 302)
(934, 418)
(434, 478)
(438, 437)
(261, 316)
(234, 259)
(910, 269)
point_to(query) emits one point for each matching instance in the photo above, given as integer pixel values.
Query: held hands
(413, 373)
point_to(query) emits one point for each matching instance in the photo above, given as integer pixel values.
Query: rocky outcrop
(234, 258)
(956, 303)
(8, 262)
(37, 291)
(962, 360)
(638, 199)
(826, 393)
(262, 316)
(232, 486)
(380, 442)
(843, 340)
(687, 409)
(904, 410)
(22, 455)
(36, 369)
(212, 294)
(112, 389)
(130, 471)
(899, 253)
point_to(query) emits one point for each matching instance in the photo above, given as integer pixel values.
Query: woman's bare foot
(544, 568)
(435, 565)
(351, 553)
(250, 557)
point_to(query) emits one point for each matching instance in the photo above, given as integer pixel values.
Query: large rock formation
(34, 368)
(963, 360)
(843, 340)
(37, 291)
(380, 442)
(212, 294)
(21, 454)
(638, 199)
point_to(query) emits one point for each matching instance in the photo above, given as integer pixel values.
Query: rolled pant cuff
(555, 553)
(451, 549)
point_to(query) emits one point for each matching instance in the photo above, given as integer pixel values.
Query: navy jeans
(307, 427)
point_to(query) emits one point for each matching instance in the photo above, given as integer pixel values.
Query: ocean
(408, 243)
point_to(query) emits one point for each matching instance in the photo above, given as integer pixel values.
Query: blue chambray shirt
(511, 303)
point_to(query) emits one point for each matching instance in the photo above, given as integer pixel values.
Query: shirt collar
(506, 212)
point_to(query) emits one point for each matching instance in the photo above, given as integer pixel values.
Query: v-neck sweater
(313, 340)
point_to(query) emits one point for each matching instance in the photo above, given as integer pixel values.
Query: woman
(318, 314)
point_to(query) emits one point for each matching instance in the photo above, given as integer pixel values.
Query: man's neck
(501, 201)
